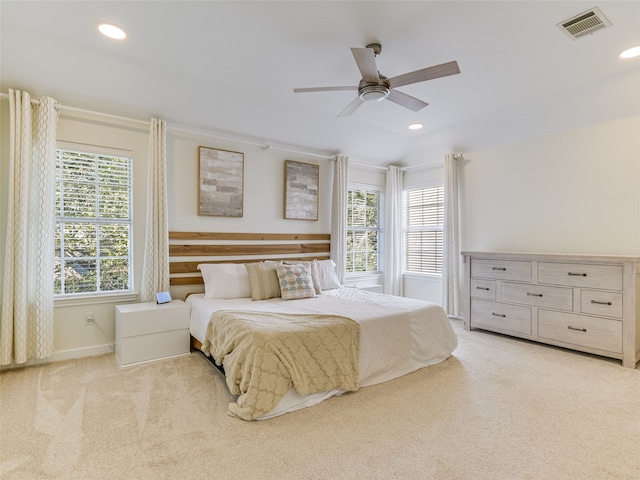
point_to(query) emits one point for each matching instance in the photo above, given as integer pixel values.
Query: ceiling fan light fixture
(373, 93)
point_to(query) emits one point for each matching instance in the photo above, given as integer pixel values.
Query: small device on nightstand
(163, 297)
(150, 331)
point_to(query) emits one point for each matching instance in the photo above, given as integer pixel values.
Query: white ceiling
(230, 67)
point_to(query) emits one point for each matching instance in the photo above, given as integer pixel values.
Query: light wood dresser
(589, 303)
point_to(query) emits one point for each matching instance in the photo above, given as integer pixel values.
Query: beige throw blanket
(266, 354)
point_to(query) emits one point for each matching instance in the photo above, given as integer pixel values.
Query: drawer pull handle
(534, 294)
(499, 268)
(487, 288)
(601, 303)
(499, 315)
(577, 329)
(572, 274)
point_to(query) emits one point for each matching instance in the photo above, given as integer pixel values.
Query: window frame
(99, 296)
(379, 190)
(438, 227)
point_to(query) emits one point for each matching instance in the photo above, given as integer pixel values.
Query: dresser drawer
(538, 295)
(483, 289)
(497, 316)
(581, 330)
(608, 304)
(608, 277)
(501, 269)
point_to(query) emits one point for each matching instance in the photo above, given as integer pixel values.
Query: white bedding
(397, 335)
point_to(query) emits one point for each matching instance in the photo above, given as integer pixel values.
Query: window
(363, 231)
(424, 216)
(93, 223)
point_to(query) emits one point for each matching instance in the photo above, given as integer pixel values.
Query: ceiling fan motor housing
(374, 92)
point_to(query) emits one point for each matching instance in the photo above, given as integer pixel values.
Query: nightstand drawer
(142, 348)
(143, 318)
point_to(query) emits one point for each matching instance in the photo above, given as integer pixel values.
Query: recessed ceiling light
(631, 52)
(112, 31)
(415, 126)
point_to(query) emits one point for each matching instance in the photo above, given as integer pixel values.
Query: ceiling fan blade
(322, 89)
(407, 101)
(429, 73)
(352, 107)
(366, 60)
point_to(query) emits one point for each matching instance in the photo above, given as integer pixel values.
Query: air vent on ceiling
(585, 23)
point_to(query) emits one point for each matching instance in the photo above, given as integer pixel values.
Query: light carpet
(500, 408)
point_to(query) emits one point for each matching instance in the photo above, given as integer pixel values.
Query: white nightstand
(148, 331)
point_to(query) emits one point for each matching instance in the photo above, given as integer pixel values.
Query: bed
(287, 335)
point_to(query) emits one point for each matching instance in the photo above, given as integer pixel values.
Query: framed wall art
(301, 190)
(221, 183)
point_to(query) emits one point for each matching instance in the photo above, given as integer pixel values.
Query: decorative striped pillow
(295, 282)
(263, 279)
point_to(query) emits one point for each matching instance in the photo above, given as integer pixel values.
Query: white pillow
(327, 277)
(313, 266)
(225, 280)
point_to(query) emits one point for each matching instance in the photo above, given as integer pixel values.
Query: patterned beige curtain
(26, 321)
(451, 247)
(339, 215)
(393, 251)
(155, 273)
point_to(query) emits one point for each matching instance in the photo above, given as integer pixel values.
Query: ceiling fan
(375, 87)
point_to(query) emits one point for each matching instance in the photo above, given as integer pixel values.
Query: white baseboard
(66, 355)
(82, 352)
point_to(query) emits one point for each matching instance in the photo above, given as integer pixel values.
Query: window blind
(424, 218)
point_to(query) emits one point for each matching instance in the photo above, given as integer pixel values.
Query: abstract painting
(221, 183)
(301, 190)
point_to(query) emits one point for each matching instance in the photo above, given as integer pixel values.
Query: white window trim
(117, 296)
(72, 299)
(375, 275)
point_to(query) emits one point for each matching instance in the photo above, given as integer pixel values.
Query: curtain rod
(265, 146)
(457, 156)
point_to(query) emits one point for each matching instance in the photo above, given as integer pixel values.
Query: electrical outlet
(88, 318)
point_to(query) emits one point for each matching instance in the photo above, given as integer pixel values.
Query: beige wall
(575, 192)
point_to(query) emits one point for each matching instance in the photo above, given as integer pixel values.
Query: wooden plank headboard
(189, 249)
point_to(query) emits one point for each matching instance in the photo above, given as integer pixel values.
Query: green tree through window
(93, 223)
